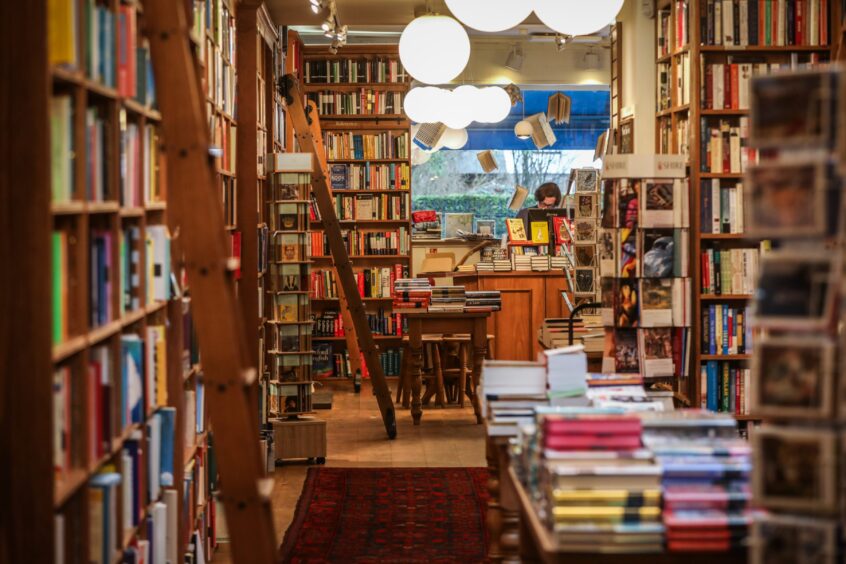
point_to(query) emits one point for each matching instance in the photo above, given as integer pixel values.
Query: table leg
(415, 345)
(494, 514)
(480, 350)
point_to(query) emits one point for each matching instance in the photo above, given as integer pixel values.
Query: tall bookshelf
(693, 118)
(359, 94)
(123, 398)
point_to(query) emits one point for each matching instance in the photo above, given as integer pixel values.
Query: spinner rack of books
(359, 94)
(795, 197)
(644, 270)
(707, 52)
(132, 451)
(288, 327)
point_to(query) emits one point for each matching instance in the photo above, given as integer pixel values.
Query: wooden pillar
(26, 476)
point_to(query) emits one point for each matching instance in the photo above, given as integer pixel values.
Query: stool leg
(462, 374)
(437, 350)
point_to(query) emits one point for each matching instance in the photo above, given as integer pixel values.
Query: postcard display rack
(794, 197)
(359, 93)
(707, 52)
(584, 199)
(643, 268)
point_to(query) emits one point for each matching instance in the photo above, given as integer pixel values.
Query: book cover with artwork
(516, 229)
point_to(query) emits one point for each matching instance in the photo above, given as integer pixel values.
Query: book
(518, 197)
(516, 229)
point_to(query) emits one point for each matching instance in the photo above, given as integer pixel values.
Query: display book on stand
(288, 329)
(794, 196)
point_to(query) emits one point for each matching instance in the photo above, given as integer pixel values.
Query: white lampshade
(574, 17)
(434, 49)
(454, 138)
(490, 15)
(493, 105)
(424, 103)
(465, 98)
(523, 129)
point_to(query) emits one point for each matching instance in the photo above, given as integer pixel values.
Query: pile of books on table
(509, 392)
(447, 299)
(412, 294)
(426, 225)
(483, 300)
(559, 262)
(540, 263)
(484, 266)
(520, 263)
(706, 470)
(502, 265)
(566, 376)
(600, 488)
(623, 391)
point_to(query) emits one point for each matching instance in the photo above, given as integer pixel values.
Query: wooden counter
(527, 299)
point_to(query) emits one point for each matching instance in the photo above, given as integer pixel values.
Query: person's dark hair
(548, 190)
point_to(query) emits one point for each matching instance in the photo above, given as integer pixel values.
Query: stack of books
(465, 268)
(520, 263)
(601, 490)
(621, 391)
(411, 294)
(540, 263)
(425, 224)
(560, 263)
(483, 300)
(447, 298)
(509, 392)
(502, 265)
(566, 376)
(485, 266)
(706, 470)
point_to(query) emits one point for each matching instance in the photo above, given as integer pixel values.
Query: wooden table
(537, 544)
(451, 323)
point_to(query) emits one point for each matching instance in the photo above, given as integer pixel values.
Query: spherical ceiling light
(454, 138)
(424, 103)
(573, 17)
(434, 49)
(490, 15)
(523, 129)
(494, 105)
(419, 156)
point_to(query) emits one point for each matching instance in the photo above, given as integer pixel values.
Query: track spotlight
(561, 41)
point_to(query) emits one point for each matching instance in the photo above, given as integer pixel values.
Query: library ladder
(307, 130)
(194, 205)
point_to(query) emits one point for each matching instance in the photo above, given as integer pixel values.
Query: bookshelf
(117, 380)
(358, 93)
(704, 60)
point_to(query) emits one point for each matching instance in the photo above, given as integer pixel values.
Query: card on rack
(659, 252)
(627, 253)
(626, 357)
(585, 255)
(656, 295)
(585, 281)
(796, 290)
(793, 377)
(656, 347)
(789, 538)
(796, 109)
(795, 468)
(790, 199)
(585, 206)
(586, 180)
(606, 244)
(584, 231)
(627, 203)
(626, 306)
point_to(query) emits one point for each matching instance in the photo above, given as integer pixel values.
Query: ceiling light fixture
(523, 129)
(514, 60)
(490, 15)
(572, 17)
(434, 49)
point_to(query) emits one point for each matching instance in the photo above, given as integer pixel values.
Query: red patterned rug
(375, 515)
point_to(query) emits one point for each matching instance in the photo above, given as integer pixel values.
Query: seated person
(548, 195)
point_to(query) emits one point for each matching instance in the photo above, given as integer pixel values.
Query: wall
(542, 64)
(638, 74)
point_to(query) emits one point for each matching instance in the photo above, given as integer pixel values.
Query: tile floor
(356, 437)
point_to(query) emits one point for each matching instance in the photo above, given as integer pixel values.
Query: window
(452, 181)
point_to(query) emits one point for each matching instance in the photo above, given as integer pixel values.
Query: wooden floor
(356, 437)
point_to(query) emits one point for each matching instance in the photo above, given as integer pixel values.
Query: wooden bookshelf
(314, 72)
(693, 116)
(102, 204)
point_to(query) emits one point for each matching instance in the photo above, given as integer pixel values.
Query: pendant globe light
(523, 129)
(434, 49)
(490, 15)
(574, 17)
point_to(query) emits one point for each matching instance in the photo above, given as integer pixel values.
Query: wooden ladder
(194, 205)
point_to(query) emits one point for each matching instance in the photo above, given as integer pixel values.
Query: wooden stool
(462, 374)
(430, 342)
